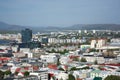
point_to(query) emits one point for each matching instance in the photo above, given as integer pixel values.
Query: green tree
(112, 77)
(61, 69)
(8, 72)
(97, 78)
(83, 60)
(1, 75)
(87, 67)
(53, 51)
(71, 77)
(16, 73)
(66, 51)
(26, 73)
(93, 50)
(75, 59)
(73, 68)
(58, 62)
(95, 62)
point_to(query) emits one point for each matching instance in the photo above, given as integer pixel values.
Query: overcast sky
(59, 12)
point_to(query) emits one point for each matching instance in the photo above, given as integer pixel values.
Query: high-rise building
(26, 35)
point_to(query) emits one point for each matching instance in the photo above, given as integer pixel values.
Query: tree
(83, 60)
(8, 72)
(97, 78)
(58, 62)
(16, 73)
(95, 62)
(26, 73)
(66, 51)
(71, 77)
(93, 50)
(61, 69)
(73, 68)
(1, 75)
(75, 59)
(112, 77)
(53, 51)
(87, 67)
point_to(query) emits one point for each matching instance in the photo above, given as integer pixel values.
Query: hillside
(7, 27)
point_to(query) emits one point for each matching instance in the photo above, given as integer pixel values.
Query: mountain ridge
(8, 27)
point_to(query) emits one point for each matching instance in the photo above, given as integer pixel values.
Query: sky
(59, 12)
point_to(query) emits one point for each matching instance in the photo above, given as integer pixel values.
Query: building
(42, 75)
(51, 58)
(44, 40)
(64, 60)
(26, 35)
(26, 78)
(103, 74)
(98, 43)
(92, 59)
(93, 43)
(31, 45)
(82, 74)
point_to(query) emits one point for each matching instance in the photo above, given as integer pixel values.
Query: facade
(27, 78)
(31, 45)
(26, 35)
(118, 57)
(98, 43)
(82, 74)
(62, 76)
(44, 40)
(61, 41)
(103, 74)
(41, 75)
(49, 58)
(115, 40)
(93, 43)
(64, 60)
(92, 59)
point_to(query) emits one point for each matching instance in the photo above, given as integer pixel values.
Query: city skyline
(59, 12)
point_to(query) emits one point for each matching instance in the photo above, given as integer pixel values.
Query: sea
(5, 42)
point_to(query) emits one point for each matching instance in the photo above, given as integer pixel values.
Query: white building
(93, 43)
(63, 76)
(24, 50)
(57, 40)
(98, 43)
(50, 58)
(103, 74)
(115, 40)
(82, 74)
(118, 57)
(92, 59)
(41, 75)
(101, 43)
(52, 40)
(64, 60)
(28, 54)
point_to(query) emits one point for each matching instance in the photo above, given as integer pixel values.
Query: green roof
(96, 71)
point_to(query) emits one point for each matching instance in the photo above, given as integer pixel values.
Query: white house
(100, 60)
(50, 58)
(41, 75)
(64, 60)
(63, 76)
(103, 74)
(98, 43)
(82, 74)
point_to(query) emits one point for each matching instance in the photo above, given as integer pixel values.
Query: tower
(26, 35)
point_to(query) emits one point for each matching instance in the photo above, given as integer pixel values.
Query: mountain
(94, 27)
(8, 27)
(78, 27)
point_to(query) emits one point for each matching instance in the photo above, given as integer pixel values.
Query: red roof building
(52, 66)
